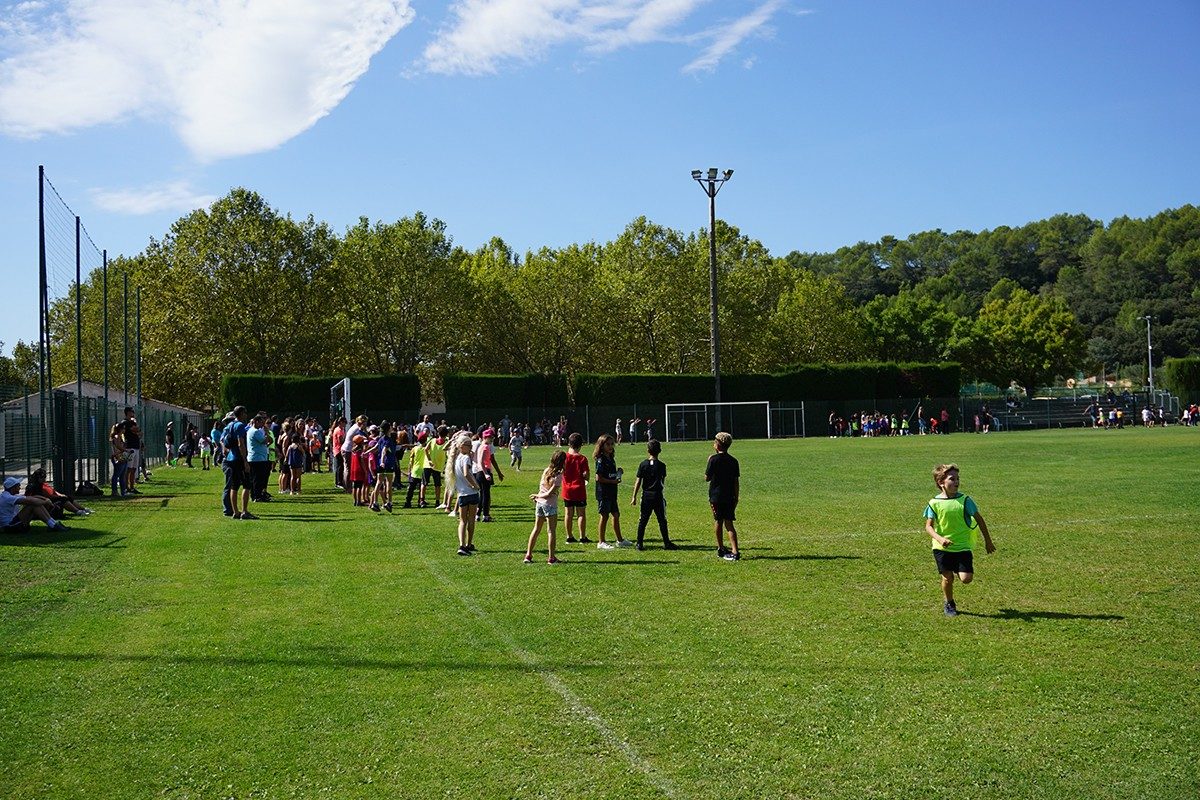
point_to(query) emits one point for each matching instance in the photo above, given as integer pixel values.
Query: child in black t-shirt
(651, 475)
(722, 474)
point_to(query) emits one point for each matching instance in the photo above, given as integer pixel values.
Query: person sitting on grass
(38, 487)
(16, 512)
(723, 474)
(948, 521)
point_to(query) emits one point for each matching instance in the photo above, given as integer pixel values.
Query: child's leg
(470, 516)
(720, 537)
(660, 512)
(948, 586)
(533, 536)
(646, 511)
(463, 511)
(297, 473)
(552, 538)
(603, 525)
(570, 519)
(616, 517)
(583, 525)
(733, 544)
(966, 577)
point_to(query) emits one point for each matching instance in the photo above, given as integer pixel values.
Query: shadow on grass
(1030, 616)
(802, 557)
(619, 563)
(70, 538)
(323, 658)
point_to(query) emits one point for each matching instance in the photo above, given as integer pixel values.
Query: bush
(463, 391)
(377, 396)
(1181, 376)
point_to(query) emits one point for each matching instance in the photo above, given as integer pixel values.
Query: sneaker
(462, 551)
(731, 556)
(640, 546)
(248, 515)
(951, 609)
(605, 546)
(487, 519)
(229, 513)
(572, 540)
(721, 552)
(624, 543)
(57, 526)
(375, 507)
(442, 506)
(528, 560)
(670, 546)
(471, 548)
(554, 560)
(388, 507)
(584, 540)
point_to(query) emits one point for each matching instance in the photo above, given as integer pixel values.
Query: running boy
(723, 473)
(948, 518)
(651, 475)
(574, 487)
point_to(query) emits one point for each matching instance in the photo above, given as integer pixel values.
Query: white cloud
(173, 196)
(231, 76)
(728, 37)
(483, 35)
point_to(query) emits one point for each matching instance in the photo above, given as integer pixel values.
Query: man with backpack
(236, 466)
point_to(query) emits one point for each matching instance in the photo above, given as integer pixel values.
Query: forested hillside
(240, 287)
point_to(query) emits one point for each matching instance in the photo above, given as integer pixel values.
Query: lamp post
(1149, 359)
(711, 183)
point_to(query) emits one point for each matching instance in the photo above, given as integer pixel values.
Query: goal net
(702, 421)
(339, 400)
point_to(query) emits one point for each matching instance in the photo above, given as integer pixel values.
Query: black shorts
(239, 476)
(433, 476)
(16, 526)
(468, 499)
(608, 505)
(574, 503)
(724, 510)
(953, 562)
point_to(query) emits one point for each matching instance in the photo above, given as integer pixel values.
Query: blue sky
(548, 122)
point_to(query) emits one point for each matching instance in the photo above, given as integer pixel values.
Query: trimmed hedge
(461, 390)
(1181, 376)
(804, 382)
(374, 395)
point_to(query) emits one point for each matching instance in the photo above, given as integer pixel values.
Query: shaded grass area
(161, 649)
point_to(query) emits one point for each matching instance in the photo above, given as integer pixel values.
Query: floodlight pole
(1149, 358)
(711, 183)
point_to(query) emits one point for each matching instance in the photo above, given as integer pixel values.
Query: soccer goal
(701, 421)
(339, 400)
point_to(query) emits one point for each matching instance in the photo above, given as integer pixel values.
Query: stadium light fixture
(1149, 358)
(711, 185)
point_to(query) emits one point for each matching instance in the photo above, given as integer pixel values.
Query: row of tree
(239, 287)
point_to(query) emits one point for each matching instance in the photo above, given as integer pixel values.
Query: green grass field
(159, 649)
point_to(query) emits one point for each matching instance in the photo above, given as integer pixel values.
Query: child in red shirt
(575, 474)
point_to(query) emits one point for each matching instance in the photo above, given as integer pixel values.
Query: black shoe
(247, 515)
(462, 551)
(670, 546)
(951, 609)
(722, 552)
(583, 540)
(640, 546)
(228, 513)
(572, 540)
(487, 519)
(471, 548)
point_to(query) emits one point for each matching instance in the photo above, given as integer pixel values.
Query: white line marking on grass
(577, 707)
